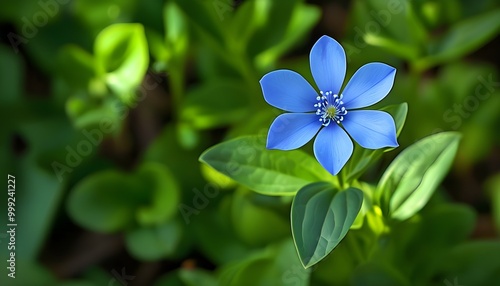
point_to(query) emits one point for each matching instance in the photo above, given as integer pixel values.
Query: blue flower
(330, 111)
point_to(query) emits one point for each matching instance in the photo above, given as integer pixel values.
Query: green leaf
(106, 201)
(165, 194)
(216, 103)
(270, 172)
(155, 242)
(362, 158)
(321, 217)
(463, 38)
(122, 58)
(412, 177)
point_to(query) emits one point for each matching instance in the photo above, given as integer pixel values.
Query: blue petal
(328, 64)
(370, 84)
(288, 90)
(372, 129)
(332, 148)
(292, 130)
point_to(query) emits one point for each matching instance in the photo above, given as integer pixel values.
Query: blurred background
(106, 106)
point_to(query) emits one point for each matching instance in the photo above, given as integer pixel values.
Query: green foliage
(376, 274)
(414, 175)
(156, 242)
(276, 265)
(247, 161)
(474, 262)
(144, 122)
(256, 225)
(362, 158)
(119, 200)
(112, 197)
(461, 39)
(316, 238)
(122, 58)
(215, 104)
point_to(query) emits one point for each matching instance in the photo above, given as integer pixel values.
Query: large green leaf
(122, 58)
(247, 161)
(321, 217)
(412, 177)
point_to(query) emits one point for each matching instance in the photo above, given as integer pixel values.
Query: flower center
(330, 107)
(331, 111)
